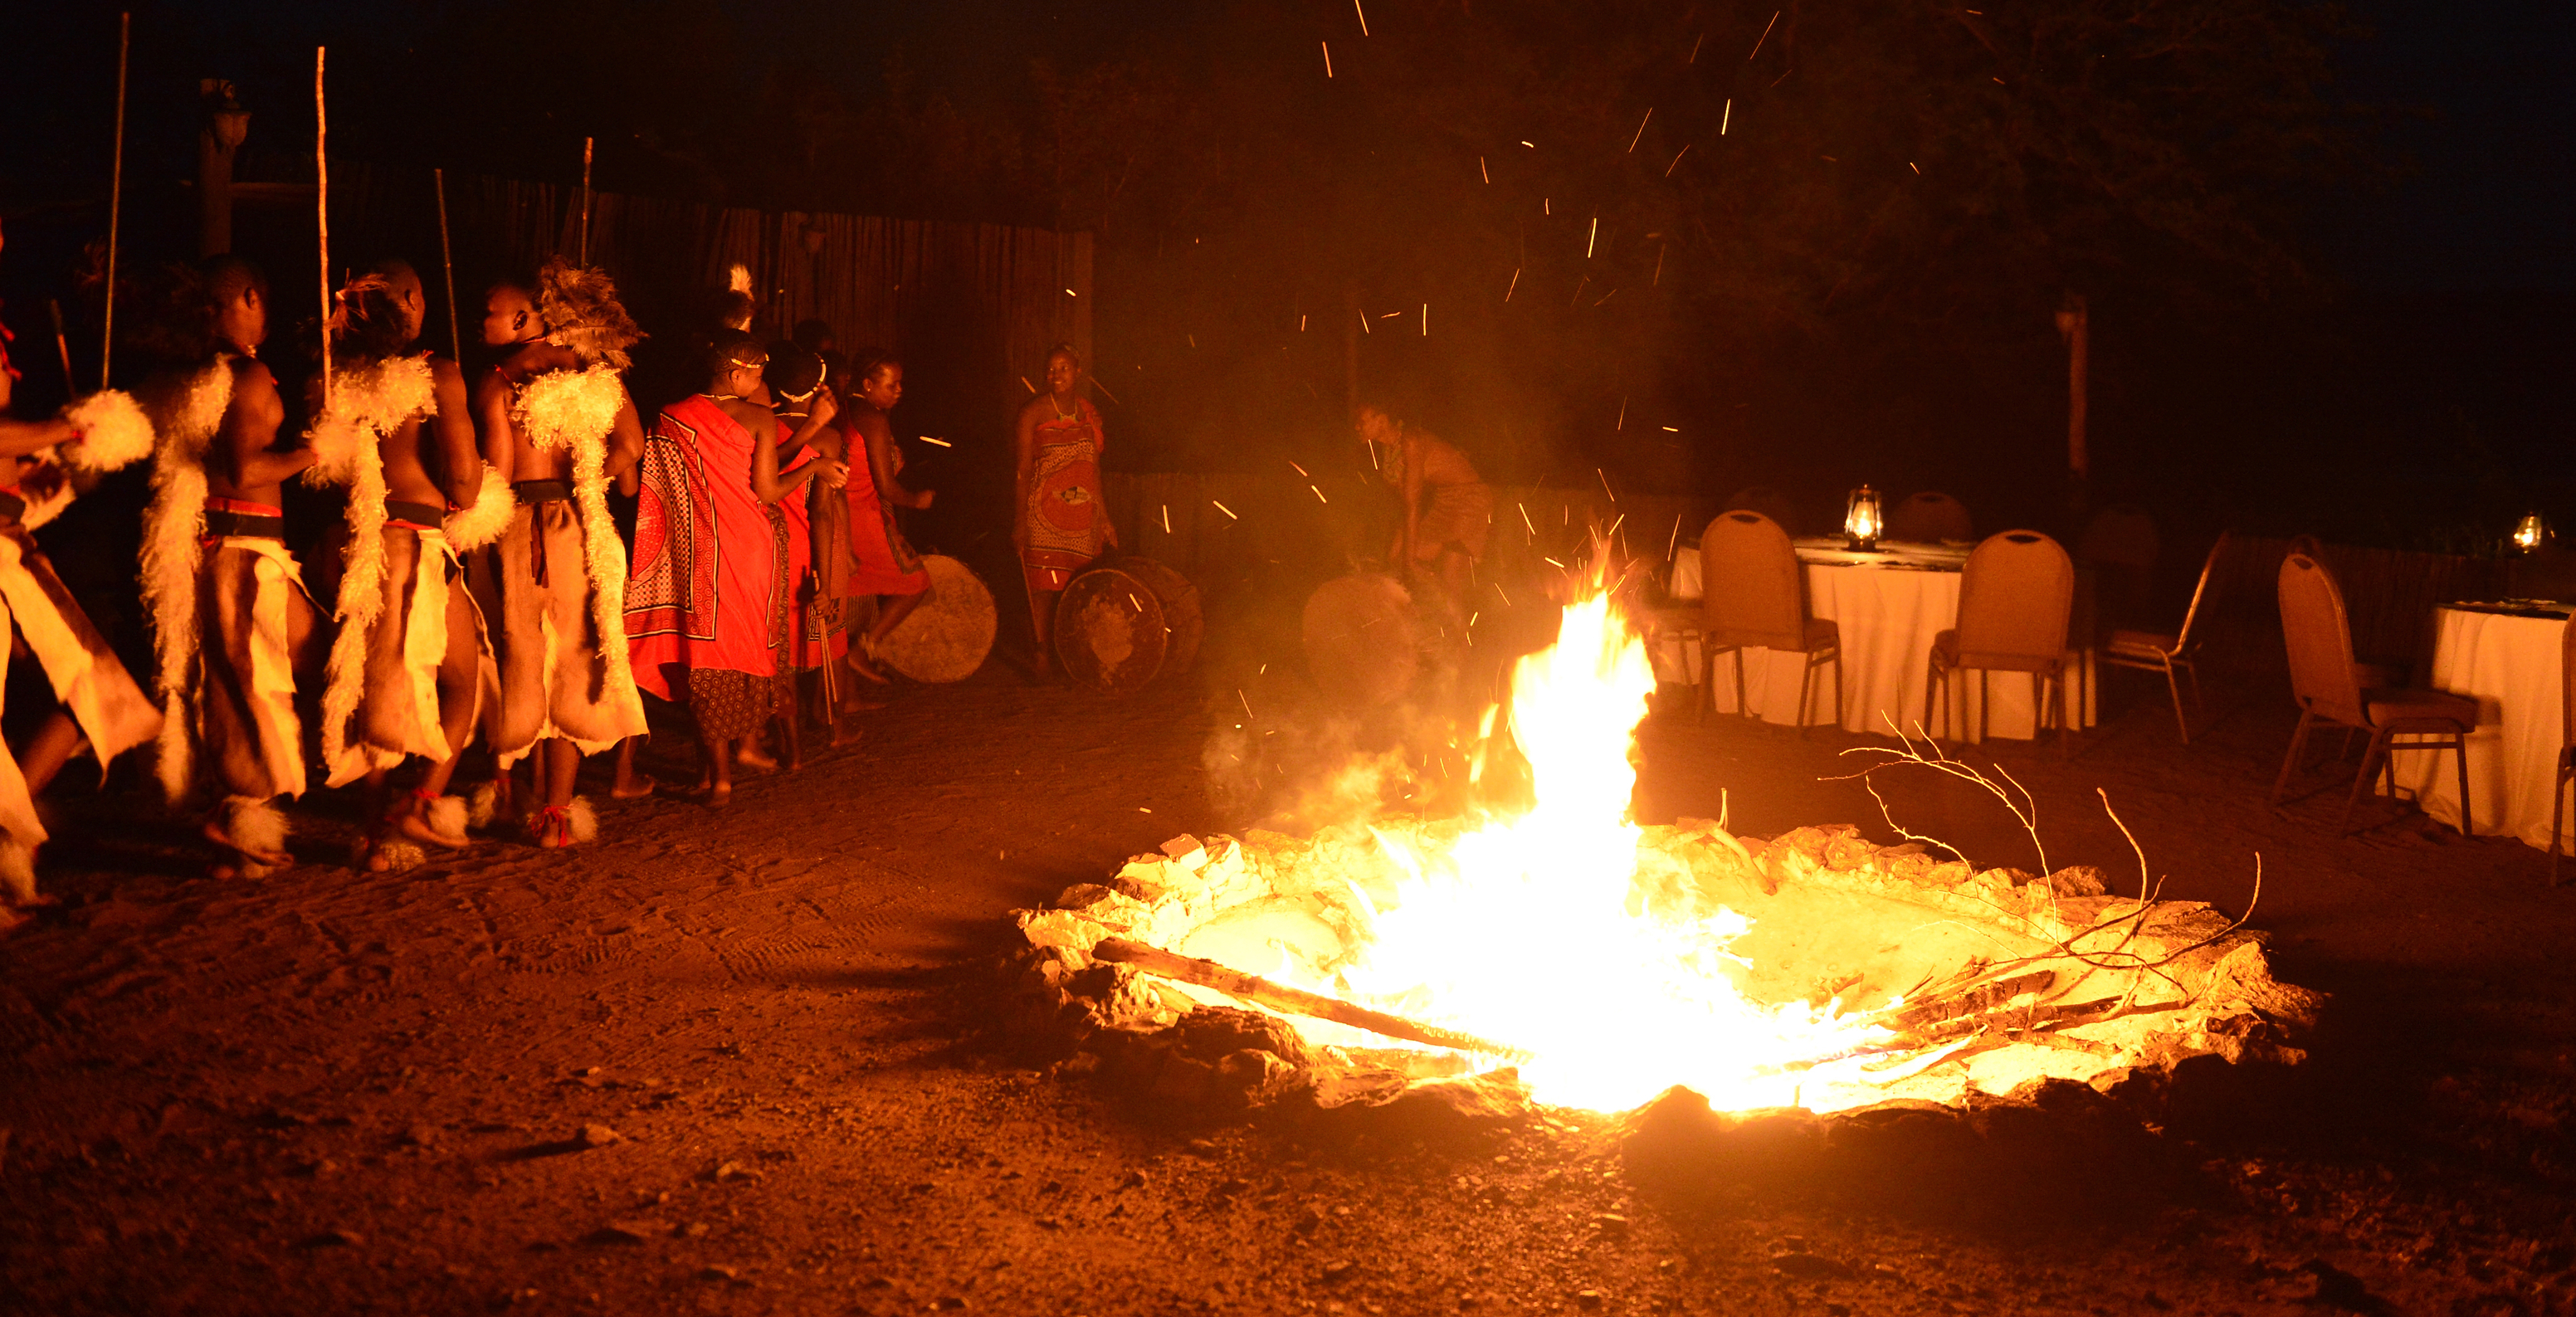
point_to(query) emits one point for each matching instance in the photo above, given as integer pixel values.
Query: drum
(1123, 622)
(1363, 639)
(947, 637)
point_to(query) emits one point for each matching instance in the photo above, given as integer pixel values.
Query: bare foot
(720, 795)
(868, 671)
(551, 828)
(844, 736)
(635, 788)
(414, 826)
(215, 833)
(753, 759)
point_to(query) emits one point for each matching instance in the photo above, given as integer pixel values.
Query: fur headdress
(191, 410)
(580, 307)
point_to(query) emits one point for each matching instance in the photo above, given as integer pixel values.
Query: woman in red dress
(1062, 524)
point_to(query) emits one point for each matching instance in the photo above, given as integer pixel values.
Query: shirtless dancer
(406, 669)
(231, 621)
(558, 426)
(1448, 508)
(100, 700)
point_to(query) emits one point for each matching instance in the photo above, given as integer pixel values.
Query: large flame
(1528, 932)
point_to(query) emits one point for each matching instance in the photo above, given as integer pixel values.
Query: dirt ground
(742, 1062)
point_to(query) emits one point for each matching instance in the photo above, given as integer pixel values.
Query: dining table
(1888, 602)
(2507, 655)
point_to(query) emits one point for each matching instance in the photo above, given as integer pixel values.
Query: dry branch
(1295, 1001)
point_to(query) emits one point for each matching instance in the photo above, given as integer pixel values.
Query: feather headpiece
(580, 307)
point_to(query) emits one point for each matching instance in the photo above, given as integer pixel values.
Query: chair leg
(1806, 683)
(1986, 707)
(2290, 762)
(2460, 750)
(1838, 688)
(2370, 758)
(1742, 709)
(1935, 686)
(2557, 812)
(1707, 681)
(2066, 717)
(2174, 688)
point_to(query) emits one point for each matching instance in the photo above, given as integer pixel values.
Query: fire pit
(1456, 973)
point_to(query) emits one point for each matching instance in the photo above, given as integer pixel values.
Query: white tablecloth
(2510, 666)
(1888, 618)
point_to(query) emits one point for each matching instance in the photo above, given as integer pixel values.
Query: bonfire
(1569, 954)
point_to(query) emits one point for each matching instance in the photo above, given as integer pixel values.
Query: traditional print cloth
(708, 577)
(1066, 522)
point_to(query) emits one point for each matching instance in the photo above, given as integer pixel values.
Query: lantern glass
(2530, 533)
(1861, 518)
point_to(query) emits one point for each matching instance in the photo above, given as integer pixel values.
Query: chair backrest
(2309, 545)
(2199, 591)
(1930, 516)
(1769, 502)
(2121, 535)
(2567, 684)
(2319, 637)
(2015, 597)
(1751, 583)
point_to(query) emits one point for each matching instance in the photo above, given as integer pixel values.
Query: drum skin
(1125, 622)
(947, 638)
(1363, 639)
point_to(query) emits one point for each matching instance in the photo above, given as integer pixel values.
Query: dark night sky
(2492, 201)
(2488, 204)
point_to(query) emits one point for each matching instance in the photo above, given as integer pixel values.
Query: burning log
(1296, 1001)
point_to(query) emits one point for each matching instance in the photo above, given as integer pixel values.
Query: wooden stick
(62, 343)
(447, 258)
(585, 202)
(115, 198)
(1297, 1001)
(322, 217)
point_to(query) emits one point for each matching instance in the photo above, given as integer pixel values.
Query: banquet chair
(2120, 544)
(1754, 593)
(1769, 502)
(2014, 601)
(2156, 651)
(2566, 744)
(1930, 516)
(2328, 685)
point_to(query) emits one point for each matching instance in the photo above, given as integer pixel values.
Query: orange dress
(1066, 519)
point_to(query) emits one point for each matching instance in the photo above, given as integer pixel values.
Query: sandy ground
(742, 1062)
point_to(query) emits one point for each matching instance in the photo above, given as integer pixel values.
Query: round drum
(947, 637)
(1125, 621)
(1363, 639)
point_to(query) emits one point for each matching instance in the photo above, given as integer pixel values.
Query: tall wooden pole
(2074, 323)
(584, 255)
(115, 195)
(447, 259)
(322, 215)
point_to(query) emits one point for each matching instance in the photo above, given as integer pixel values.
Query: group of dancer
(479, 583)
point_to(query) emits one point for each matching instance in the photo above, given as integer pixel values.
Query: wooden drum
(947, 637)
(1125, 621)
(1364, 639)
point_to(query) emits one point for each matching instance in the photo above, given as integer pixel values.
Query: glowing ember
(1635, 999)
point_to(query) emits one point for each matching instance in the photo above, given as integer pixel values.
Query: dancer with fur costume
(711, 608)
(232, 624)
(406, 669)
(558, 426)
(98, 699)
